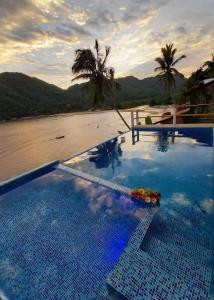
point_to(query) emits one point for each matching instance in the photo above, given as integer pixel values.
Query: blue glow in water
(178, 164)
(60, 236)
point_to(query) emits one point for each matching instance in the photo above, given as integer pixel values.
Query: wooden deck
(199, 125)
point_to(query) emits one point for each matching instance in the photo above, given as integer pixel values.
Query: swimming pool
(65, 237)
(177, 163)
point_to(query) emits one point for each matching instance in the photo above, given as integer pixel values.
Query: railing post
(174, 112)
(137, 117)
(132, 119)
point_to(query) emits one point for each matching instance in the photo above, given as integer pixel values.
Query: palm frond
(161, 62)
(158, 69)
(178, 59)
(84, 61)
(176, 72)
(82, 76)
(107, 52)
(97, 48)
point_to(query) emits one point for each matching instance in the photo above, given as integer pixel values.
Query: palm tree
(166, 68)
(209, 65)
(101, 86)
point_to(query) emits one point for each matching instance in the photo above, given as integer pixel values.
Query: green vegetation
(196, 92)
(167, 67)
(135, 92)
(102, 86)
(206, 71)
(24, 96)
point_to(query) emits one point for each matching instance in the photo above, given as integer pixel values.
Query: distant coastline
(86, 112)
(22, 96)
(147, 108)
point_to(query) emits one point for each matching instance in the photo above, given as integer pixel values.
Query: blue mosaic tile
(171, 268)
(137, 275)
(168, 223)
(61, 235)
(186, 247)
(172, 261)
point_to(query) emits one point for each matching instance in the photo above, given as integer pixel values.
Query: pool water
(178, 164)
(60, 236)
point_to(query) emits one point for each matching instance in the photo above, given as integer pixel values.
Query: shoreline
(53, 115)
(86, 112)
(68, 114)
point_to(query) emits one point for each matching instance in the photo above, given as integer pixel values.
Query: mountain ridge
(22, 95)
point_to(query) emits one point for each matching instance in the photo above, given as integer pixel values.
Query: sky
(39, 37)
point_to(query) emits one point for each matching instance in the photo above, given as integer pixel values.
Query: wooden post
(132, 119)
(137, 117)
(174, 111)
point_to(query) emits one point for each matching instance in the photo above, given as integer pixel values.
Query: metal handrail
(177, 115)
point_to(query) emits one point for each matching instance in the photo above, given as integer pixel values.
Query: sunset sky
(38, 37)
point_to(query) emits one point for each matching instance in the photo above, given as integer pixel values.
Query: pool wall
(8, 185)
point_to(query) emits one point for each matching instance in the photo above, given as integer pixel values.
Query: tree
(101, 86)
(166, 66)
(195, 78)
(204, 72)
(209, 65)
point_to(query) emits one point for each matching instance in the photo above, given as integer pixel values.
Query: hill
(146, 91)
(22, 95)
(135, 92)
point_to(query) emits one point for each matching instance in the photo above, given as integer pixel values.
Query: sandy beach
(28, 143)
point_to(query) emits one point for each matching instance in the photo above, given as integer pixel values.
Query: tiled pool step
(138, 276)
(169, 264)
(174, 261)
(187, 248)
(176, 225)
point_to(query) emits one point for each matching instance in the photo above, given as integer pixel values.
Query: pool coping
(84, 151)
(12, 183)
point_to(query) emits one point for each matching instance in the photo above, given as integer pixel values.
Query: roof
(206, 81)
(200, 84)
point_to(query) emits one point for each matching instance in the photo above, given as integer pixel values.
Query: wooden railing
(179, 111)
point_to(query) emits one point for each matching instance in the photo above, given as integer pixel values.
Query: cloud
(180, 199)
(28, 23)
(45, 32)
(142, 70)
(11, 8)
(208, 205)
